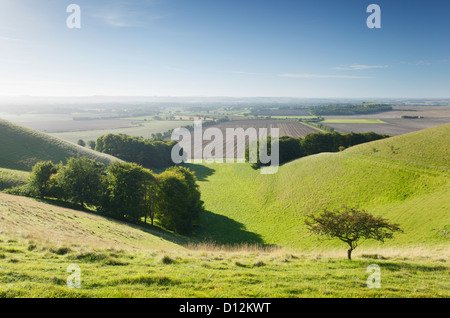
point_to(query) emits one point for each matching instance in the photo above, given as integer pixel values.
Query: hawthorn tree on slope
(350, 225)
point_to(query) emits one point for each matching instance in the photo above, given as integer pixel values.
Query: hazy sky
(225, 48)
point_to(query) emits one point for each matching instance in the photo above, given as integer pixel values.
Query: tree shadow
(417, 267)
(202, 172)
(222, 230)
(145, 227)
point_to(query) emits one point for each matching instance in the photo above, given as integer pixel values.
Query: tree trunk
(349, 253)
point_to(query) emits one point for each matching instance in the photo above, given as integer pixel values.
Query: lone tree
(350, 225)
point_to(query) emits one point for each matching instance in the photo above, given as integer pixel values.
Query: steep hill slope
(412, 190)
(63, 227)
(21, 148)
(428, 147)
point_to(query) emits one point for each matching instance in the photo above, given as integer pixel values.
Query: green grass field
(21, 148)
(30, 269)
(38, 243)
(12, 178)
(244, 205)
(251, 241)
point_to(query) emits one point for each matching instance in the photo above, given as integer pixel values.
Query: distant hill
(21, 148)
(410, 186)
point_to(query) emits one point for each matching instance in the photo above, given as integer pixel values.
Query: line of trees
(151, 153)
(125, 191)
(293, 148)
(354, 109)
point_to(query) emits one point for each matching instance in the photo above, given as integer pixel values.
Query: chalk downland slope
(409, 186)
(21, 148)
(56, 226)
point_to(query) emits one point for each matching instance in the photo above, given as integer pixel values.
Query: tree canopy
(351, 225)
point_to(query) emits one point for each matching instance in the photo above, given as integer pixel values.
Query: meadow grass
(30, 269)
(428, 147)
(251, 241)
(12, 178)
(244, 206)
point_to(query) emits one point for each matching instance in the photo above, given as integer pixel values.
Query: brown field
(286, 128)
(283, 112)
(392, 126)
(399, 111)
(77, 125)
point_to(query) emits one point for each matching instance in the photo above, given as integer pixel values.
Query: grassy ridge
(39, 241)
(22, 147)
(60, 226)
(270, 209)
(429, 147)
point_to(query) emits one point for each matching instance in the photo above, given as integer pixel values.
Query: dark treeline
(125, 191)
(355, 109)
(151, 153)
(293, 148)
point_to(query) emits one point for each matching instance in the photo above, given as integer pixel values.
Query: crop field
(399, 111)
(78, 125)
(283, 112)
(143, 128)
(286, 128)
(396, 126)
(352, 121)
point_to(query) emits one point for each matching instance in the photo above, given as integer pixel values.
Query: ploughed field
(286, 128)
(390, 126)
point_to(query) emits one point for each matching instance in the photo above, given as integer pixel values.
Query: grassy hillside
(22, 147)
(244, 205)
(429, 147)
(59, 227)
(39, 243)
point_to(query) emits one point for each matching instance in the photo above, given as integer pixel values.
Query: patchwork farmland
(389, 127)
(286, 128)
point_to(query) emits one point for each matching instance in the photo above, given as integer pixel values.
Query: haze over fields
(95, 204)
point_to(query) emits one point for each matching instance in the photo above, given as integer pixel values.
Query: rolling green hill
(59, 226)
(428, 147)
(410, 186)
(21, 148)
(39, 241)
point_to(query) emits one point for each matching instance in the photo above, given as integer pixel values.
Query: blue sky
(289, 48)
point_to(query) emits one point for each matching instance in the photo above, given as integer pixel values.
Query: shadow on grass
(145, 227)
(202, 172)
(225, 231)
(414, 267)
(214, 228)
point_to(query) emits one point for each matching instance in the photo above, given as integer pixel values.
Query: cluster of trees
(151, 153)
(353, 109)
(293, 148)
(123, 190)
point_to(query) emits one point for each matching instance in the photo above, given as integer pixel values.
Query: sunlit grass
(30, 269)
